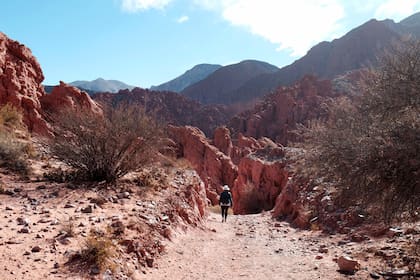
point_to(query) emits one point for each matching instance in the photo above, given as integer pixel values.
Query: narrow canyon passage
(246, 247)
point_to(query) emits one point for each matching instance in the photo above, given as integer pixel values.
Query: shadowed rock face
(20, 83)
(171, 108)
(279, 112)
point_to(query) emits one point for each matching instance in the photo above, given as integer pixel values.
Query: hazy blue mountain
(192, 76)
(101, 85)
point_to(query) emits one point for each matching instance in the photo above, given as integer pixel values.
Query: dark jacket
(226, 198)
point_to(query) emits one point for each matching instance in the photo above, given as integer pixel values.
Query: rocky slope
(46, 224)
(192, 76)
(219, 86)
(279, 113)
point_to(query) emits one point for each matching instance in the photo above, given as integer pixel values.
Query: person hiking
(225, 201)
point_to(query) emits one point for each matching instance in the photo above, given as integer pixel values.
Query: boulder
(347, 265)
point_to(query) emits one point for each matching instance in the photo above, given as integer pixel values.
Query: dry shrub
(97, 252)
(13, 153)
(10, 116)
(152, 178)
(108, 146)
(69, 228)
(370, 148)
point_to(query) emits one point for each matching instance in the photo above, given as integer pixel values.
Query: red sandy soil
(255, 247)
(246, 247)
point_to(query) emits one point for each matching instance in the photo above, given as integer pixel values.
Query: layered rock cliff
(20, 83)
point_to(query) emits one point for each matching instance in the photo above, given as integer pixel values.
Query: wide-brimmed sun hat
(225, 187)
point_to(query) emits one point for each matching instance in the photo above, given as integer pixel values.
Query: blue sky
(147, 42)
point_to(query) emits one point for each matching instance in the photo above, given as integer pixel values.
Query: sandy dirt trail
(247, 247)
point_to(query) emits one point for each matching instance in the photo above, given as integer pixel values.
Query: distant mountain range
(192, 76)
(101, 85)
(359, 48)
(219, 85)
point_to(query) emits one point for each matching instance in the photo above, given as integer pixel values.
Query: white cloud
(141, 5)
(294, 25)
(397, 9)
(183, 19)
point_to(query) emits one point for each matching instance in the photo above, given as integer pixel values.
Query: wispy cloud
(294, 25)
(397, 9)
(141, 5)
(182, 19)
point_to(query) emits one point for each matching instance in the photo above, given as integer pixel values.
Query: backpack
(225, 198)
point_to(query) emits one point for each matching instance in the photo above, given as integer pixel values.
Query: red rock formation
(66, 96)
(213, 166)
(20, 83)
(222, 140)
(261, 178)
(255, 182)
(279, 113)
(289, 207)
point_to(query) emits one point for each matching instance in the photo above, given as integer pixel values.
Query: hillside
(170, 107)
(218, 87)
(191, 76)
(359, 48)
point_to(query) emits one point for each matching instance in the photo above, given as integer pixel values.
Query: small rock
(374, 275)
(22, 221)
(8, 208)
(87, 209)
(323, 250)
(149, 261)
(319, 257)
(24, 230)
(347, 265)
(41, 187)
(68, 205)
(56, 265)
(64, 241)
(36, 249)
(9, 192)
(95, 270)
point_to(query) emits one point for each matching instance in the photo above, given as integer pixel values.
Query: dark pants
(224, 212)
